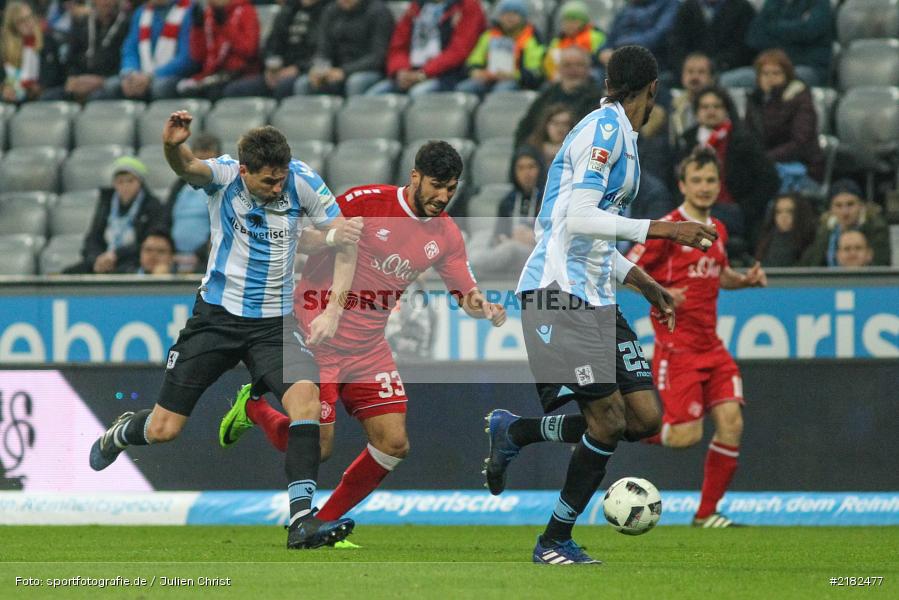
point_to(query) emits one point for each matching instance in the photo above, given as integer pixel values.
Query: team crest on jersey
(283, 203)
(432, 249)
(382, 234)
(327, 411)
(599, 158)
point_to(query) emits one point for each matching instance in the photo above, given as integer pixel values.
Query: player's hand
(495, 313)
(177, 128)
(756, 276)
(105, 263)
(323, 327)
(678, 295)
(348, 231)
(662, 303)
(697, 235)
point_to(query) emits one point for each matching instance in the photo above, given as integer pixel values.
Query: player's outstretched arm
(342, 232)
(734, 280)
(685, 233)
(324, 326)
(476, 306)
(182, 161)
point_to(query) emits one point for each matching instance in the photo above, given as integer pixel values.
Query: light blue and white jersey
(250, 270)
(599, 154)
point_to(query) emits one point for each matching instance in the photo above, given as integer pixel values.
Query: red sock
(720, 466)
(275, 424)
(358, 481)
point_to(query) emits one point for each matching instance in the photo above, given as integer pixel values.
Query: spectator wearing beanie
(575, 29)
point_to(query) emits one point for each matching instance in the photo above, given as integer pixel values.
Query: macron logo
(545, 332)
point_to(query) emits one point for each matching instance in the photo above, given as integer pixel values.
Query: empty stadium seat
(90, 167)
(868, 127)
(824, 99)
(60, 252)
(865, 19)
(464, 147)
(23, 240)
(159, 173)
(16, 260)
(361, 162)
(252, 106)
(35, 168)
(439, 116)
(312, 152)
(738, 95)
(369, 117)
(482, 208)
(93, 127)
(56, 108)
(499, 114)
(39, 198)
(151, 121)
(27, 129)
(73, 213)
(229, 123)
(869, 62)
(491, 161)
(22, 215)
(306, 118)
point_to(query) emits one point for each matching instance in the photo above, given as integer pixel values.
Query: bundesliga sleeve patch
(599, 159)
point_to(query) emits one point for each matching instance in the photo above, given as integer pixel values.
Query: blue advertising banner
(774, 323)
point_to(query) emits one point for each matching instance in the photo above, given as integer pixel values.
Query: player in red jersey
(406, 232)
(695, 375)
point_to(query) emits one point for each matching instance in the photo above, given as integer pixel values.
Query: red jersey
(395, 248)
(676, 266)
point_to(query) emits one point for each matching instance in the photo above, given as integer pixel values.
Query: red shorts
(368, 383)
(691, 383)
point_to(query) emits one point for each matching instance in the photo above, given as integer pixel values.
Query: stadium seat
(824, 99)
(253, 106)
(23, 240)
(266, 14)
(738, 95)
(60, 252)
(31, 169)
(439, 116)
(2, 133)
(868, 129)
(160, 174)
(830, 146)
(151, 121)
(360, 162)
(22, 215)
(499, 114)
(490, 163)
(464, 147)
(73, 213)
(55, 108)
(90, 167)
(866, 19)
(482, 207)
(312, 152)
(40, 198)
(93, 127)
(16, 260)
(28, 129)
(869, 62)
(368, 117)
(306, 118)
(228, 124)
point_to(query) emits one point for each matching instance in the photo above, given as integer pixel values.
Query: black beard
(418, 204)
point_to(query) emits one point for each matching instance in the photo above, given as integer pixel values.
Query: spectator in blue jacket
(646, 23)
(801, 28)
(156, 53)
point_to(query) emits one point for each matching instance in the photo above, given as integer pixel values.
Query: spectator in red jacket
(429, 46)
(224, 41)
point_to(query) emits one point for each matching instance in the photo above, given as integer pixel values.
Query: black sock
(585, 473)
(301, 465)
(133, 432)
(555, 428)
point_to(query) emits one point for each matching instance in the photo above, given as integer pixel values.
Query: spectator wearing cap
(853, 250)
(575, 29)
(508, 56)
(430, 45)
(125, 213)
(847, 213)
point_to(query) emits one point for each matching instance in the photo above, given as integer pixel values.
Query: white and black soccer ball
(632, 505)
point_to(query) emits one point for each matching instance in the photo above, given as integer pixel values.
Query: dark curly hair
(439, 160)
(630, 69)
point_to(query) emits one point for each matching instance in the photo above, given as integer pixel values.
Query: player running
(695, 374)
(243, 310)
(579, 346)
(406, 232)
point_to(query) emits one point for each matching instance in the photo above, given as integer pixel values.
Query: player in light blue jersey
(579, 346)
(244, 309)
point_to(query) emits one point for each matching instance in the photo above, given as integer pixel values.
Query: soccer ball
(632, 505)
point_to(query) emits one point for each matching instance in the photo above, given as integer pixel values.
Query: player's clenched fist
(495, 313)
(348, 231)
(177, 128)
(697, 235)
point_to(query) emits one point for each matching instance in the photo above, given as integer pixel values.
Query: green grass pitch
(453, 562)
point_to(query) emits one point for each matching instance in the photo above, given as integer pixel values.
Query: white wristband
(329, 239)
